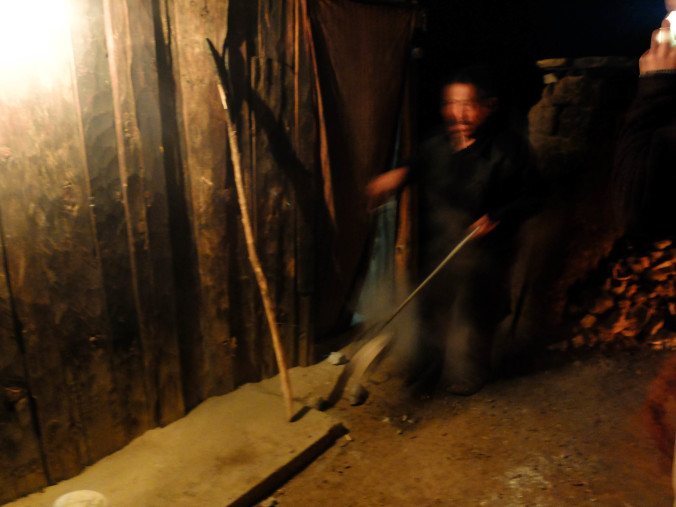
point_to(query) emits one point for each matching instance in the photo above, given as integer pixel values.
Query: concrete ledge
(231, 450)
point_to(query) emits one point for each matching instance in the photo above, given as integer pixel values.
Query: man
(645, 182)
(645, 178)
(477, 174)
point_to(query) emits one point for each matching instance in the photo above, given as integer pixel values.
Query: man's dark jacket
(645, 164)
(495, 176)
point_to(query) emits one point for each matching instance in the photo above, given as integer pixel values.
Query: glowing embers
(34, 43)
(629, 301)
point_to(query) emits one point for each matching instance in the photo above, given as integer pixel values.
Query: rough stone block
(554, 69)
(588, 123)
(575, 122)
(544, 145)
(607, 64)
(543, 119)
(606, 91)
(552, 64)
(547, 93)
(550, 78)
(569, 90)
(560, 159)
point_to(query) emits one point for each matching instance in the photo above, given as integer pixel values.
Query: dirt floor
(567, 433)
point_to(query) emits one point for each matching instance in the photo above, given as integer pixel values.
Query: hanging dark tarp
(361, 53)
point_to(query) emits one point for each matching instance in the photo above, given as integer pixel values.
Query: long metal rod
(370, 351)
(413, 294)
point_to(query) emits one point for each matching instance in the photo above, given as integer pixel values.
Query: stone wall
(580, 111)
(573, 130)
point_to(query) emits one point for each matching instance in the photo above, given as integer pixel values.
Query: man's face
(670, 5)
(463, 111)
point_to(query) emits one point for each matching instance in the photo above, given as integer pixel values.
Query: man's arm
(484, 225)
(383, 186)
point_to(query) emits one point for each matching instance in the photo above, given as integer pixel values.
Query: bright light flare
(668, 36)
(34, 38)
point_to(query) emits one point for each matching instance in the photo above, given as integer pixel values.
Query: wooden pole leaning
(253, 256)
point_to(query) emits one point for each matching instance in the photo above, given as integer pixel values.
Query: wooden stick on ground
(253, 257)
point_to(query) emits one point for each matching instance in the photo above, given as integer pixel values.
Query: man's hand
(381, 187)
(661, 56)
(484, 224)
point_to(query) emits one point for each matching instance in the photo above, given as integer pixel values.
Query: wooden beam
(19, 443)
(204, 156)
(131, 47)
(97, 112)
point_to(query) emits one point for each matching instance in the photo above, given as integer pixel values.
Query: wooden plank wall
(200, 129)
(21, 468)
(130, 40)
(54, 271)
(258, 42)
(126, 295)
(290, 202)
(276, 164)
